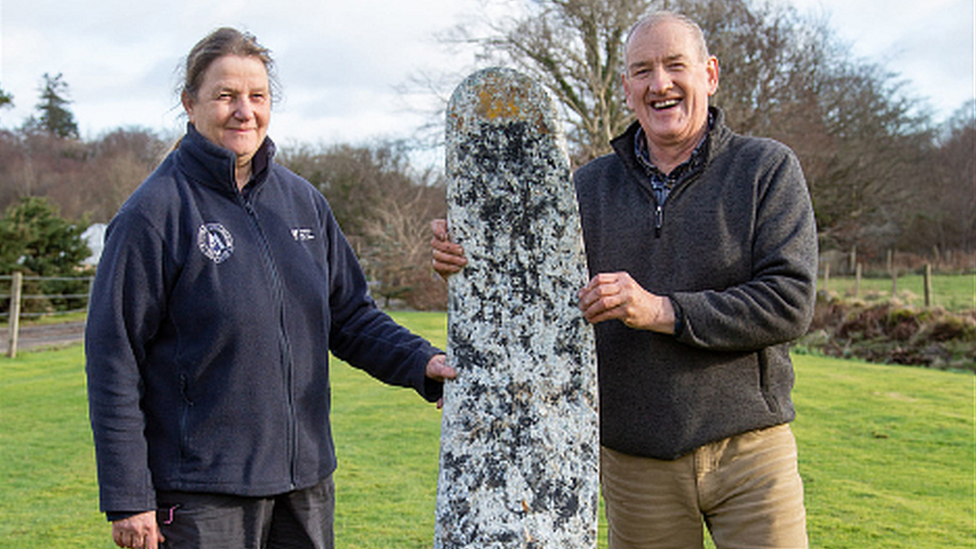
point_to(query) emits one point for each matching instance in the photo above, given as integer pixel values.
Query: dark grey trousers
(302, 519)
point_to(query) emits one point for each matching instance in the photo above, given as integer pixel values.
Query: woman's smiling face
(232, 108)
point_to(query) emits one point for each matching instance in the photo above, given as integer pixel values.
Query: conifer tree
(55, 118)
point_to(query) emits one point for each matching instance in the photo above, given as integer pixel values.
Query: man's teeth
(664, 104)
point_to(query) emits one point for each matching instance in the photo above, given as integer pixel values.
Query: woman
(223, 286)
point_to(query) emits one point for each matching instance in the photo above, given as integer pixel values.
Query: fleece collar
(213, 166)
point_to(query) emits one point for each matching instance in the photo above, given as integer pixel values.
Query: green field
(887, 455)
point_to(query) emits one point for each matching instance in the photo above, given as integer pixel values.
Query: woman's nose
(243, 110)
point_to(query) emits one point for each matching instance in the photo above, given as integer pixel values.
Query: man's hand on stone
(448, 257)
(617, 296)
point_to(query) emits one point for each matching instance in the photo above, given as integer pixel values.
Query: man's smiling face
(668, 81)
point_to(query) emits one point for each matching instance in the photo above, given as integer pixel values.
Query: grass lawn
(887, 455)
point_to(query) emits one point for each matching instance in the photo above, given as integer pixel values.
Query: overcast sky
(340, 61)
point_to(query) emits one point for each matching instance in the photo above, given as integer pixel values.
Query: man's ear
(711, 66)
(626, 85)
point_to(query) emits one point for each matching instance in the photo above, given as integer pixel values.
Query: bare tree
(353, 178)
(944, 215)
(573, 47)
(785, 75)
(958, 172)
(398, 254)
(11, 164)
(384, 209)
(117, 163)
(770, 58)
(870, 168)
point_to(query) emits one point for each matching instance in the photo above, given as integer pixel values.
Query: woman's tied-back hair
(221, 42)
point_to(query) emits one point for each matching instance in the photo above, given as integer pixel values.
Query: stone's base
(519, 462)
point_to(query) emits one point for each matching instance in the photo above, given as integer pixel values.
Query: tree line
(883, 175)
(382, 204)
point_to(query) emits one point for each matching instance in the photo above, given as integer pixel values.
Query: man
(702, 247)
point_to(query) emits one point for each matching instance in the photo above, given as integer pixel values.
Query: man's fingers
(447, 257)
(597, 291)
(439, 228)
(603, 308)
(450, 256)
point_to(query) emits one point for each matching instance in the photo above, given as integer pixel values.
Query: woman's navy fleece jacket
(212, 316)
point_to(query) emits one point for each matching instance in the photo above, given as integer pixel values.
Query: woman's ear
(187, 105)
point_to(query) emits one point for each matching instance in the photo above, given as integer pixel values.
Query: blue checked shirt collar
(662, 183)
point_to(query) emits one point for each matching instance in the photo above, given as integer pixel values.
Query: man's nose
(660, 81)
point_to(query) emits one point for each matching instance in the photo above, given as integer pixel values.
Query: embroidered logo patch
(302, 234)
(215, 242)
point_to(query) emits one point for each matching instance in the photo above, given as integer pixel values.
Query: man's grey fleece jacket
(734, 247)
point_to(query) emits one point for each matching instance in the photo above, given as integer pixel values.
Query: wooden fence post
(928, 285)
(894, 283)
(16, 283)
(826, 284)
(857, 281)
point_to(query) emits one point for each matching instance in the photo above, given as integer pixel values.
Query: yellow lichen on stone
(493, 105)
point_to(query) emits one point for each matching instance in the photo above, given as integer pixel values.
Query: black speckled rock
(519, 438)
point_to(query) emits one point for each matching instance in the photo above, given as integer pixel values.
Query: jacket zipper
(658, 220)
(659, 208)
(286, 354)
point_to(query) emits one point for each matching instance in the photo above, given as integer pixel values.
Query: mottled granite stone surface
(519, 437)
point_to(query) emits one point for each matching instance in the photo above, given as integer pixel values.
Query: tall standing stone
(519, 438)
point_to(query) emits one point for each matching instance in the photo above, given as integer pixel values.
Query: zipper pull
(658, 221)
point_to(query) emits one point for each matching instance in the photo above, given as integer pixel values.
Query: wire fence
(48, 303)
(48, 296)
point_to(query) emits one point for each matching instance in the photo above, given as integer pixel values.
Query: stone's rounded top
(501, 96)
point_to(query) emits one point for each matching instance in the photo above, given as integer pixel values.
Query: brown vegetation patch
(886, 333)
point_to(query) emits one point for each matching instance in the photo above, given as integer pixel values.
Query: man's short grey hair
(653, 19)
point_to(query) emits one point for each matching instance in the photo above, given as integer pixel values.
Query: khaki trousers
(746, 489)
